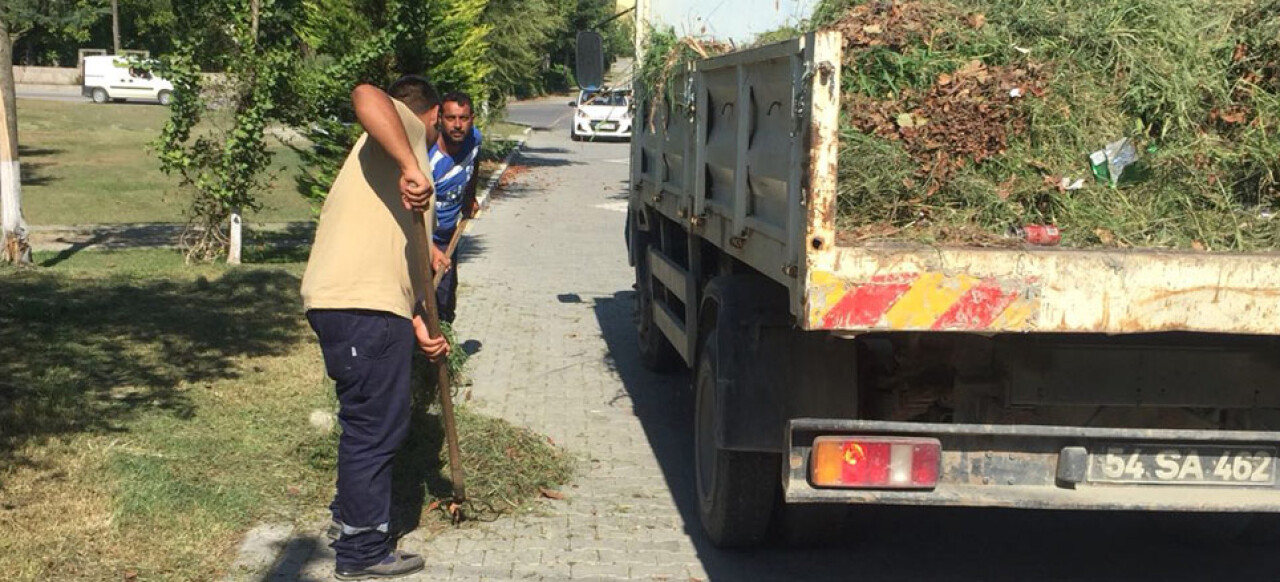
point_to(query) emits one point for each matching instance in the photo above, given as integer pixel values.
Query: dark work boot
(395, 565)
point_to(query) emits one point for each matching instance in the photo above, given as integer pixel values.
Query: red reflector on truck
(875, 462)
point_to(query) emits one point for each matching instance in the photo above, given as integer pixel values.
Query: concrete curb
(482, 197)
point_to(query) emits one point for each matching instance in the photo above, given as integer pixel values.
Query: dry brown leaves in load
(965, 117)
(892, 25)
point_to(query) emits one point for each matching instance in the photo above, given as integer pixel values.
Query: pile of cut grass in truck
(963, 118)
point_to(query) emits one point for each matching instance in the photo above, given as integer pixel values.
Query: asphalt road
(547, 113)
(51, 93)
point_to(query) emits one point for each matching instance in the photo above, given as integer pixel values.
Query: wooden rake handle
(453, 246)
(423, 244)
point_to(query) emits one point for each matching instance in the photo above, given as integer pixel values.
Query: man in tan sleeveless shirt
(360, 291)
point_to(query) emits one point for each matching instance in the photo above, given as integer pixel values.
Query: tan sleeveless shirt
(363, 256)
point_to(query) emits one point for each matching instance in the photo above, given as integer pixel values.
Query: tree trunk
(115, 25)
(14, 247)
(256, 7)
(237, 232)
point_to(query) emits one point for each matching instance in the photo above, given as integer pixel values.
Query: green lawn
(91, 164)
(151, 412)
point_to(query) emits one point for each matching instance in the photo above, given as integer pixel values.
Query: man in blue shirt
(453, 166)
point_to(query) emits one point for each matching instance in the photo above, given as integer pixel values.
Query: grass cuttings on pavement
(152, 412)
(503, 465)
(962, 118)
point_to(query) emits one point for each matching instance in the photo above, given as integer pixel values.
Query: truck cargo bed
(744, 155)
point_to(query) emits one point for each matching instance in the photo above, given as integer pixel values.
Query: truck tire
(736, 490)
(100, 95)
(656, 351)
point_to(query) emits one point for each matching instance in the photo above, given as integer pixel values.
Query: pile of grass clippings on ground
(963, 118)
(504, 466)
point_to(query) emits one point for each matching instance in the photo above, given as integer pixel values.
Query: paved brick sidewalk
(546, 290)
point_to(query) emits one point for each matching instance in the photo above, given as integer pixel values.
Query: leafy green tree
(520, 32)
(445, 40)
(49, 32)
(455, 47)
(534, 42)
(576, 15)
(144, 25)
(225, 166)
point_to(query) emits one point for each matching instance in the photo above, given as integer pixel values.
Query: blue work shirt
(451, 175)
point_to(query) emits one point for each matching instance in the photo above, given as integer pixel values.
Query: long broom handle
(442, 368)
(453, 245)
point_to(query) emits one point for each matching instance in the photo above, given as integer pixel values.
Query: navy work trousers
(447, 290)
(369, 355)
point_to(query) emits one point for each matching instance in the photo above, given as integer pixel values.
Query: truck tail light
(875, 462)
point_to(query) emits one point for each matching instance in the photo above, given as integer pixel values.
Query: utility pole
(14, 247)
(115, 25)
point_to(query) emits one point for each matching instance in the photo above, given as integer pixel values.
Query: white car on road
(601, 113)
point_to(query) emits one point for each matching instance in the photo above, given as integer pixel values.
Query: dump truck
(829, 374)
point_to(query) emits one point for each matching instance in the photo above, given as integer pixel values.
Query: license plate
(1180, 465)
(607, 126)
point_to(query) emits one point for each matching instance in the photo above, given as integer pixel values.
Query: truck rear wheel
(736, 489)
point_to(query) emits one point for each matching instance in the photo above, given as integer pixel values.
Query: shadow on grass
(28, 152)
(290, 245)
(67, 253)
(33, 173)
(84, 355)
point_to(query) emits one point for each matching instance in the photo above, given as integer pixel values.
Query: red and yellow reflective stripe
(923, 301)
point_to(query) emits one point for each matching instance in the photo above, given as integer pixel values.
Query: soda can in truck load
(829, 373)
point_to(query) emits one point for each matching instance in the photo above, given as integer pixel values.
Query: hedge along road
(546, 292)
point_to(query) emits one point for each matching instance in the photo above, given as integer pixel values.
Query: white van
(117, 78)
